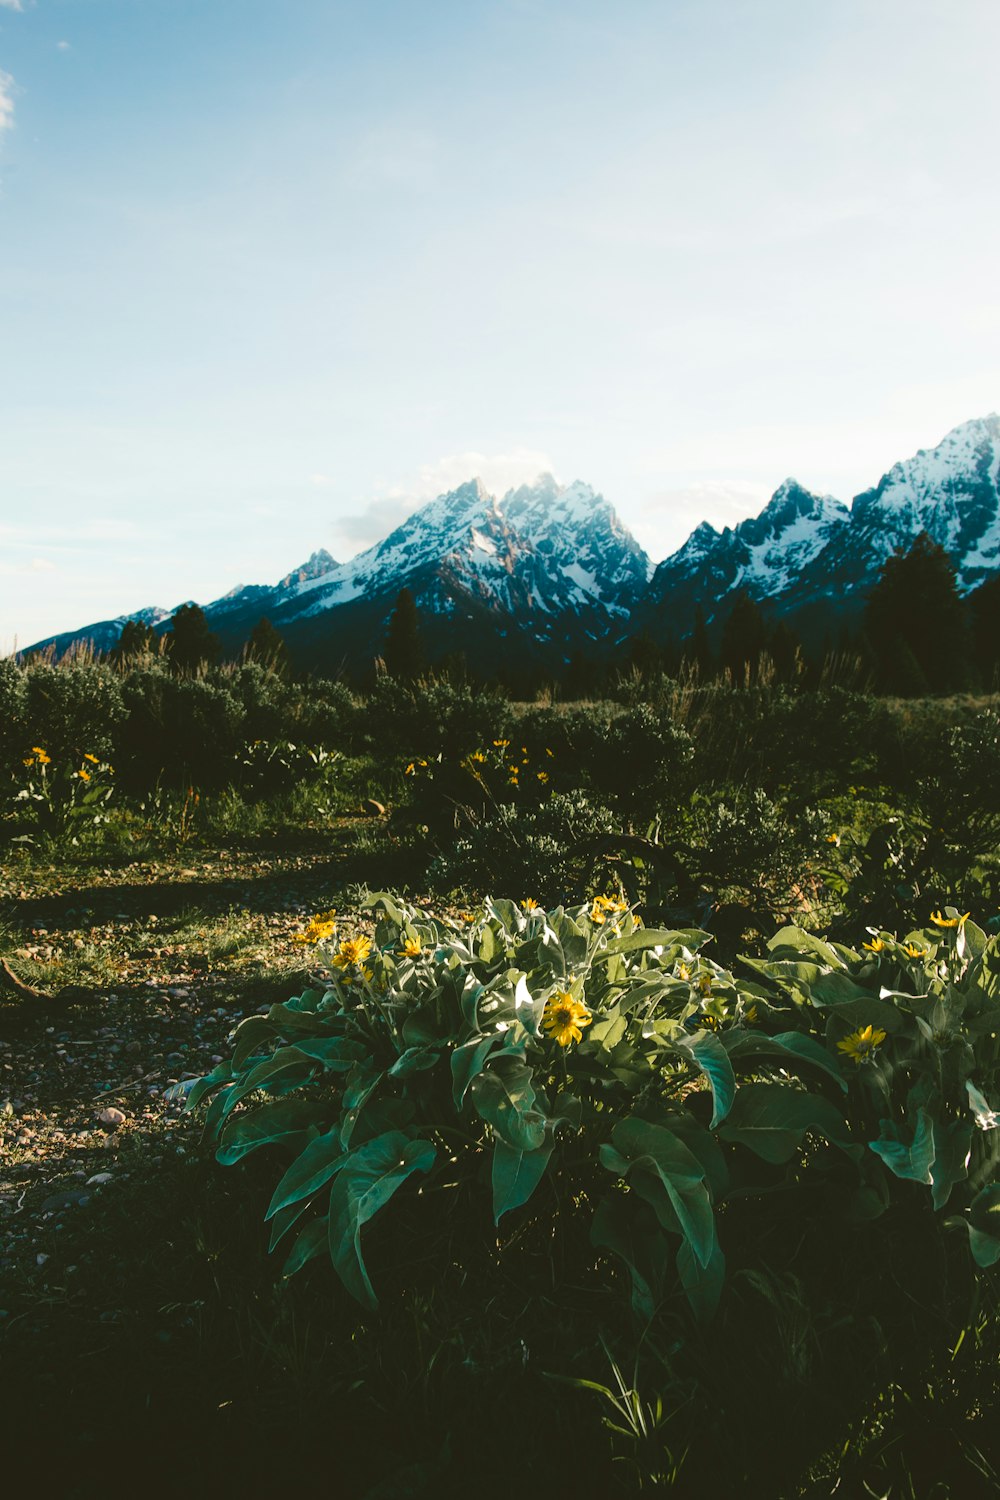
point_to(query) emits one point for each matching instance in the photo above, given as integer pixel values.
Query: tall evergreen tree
(915, 619)
(190, 642)
(135, 640)
(700, 647)
(267, 646)
(744, 638)
(403, 650)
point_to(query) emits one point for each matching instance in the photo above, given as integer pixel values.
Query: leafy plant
(523, 1043)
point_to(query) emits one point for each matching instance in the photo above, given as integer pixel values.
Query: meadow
(614, 1084)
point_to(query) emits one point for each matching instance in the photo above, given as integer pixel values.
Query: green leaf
(794, 1046)
(702, 1283)
(467, 1063)
(249, 1034)
(310, 1243)
(772, 1119)
(653, 937)
(371, 1175)
(282, 1121)
(671, 1179)
(707, 1051)
(908, 1154)
(629, 1230)
(952, 1144)
(516, 1173)
(313, 1167)
(414, 1060)
(504, 1097)
(284, 1221)
(338, 1054)
(804, 942)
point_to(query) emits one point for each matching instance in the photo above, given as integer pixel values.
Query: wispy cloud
(6, 98)
(62, 46)
(11, 5)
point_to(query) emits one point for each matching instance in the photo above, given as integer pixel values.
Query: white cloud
(6, 98)
(11, 4)
(62, 46)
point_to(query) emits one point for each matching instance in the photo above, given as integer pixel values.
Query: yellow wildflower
(705, 984)
(409, 770)
(542, 776)
(875, 946)
(29, 760)
(912, 951)
(861, 1044)
(320, 929)
(940, 920)
(550, 753)
(750, 1013)
(92, 758)
(683, 972)
(83, 775)
(529, 904)
(478, 757)
(833, 838)
(352, 951)
(501, 744)
(411, 948)
(564, 1017)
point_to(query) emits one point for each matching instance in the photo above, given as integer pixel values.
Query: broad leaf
(365, 1184)
(504, 1097)
(313, 1167)
(772, 1119)
(284, 1121)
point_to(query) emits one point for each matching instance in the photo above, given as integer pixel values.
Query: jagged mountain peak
(318, 563)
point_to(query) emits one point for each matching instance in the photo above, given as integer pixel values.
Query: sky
(272, 275)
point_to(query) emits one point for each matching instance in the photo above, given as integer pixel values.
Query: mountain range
(547, 571)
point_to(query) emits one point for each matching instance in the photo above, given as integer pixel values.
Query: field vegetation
(614, 1081)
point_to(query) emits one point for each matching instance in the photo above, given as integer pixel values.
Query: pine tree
(403, 651)
(267, 646)
(190, 642)
(135, 640)
(700, 648)
(744, 638)
(915, 605)
(985, 607)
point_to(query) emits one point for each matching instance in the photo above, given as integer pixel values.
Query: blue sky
(271, 275)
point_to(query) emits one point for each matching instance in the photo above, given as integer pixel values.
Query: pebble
(111, 1117)
(100, 1178)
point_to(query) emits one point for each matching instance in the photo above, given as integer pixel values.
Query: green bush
(501, 1051)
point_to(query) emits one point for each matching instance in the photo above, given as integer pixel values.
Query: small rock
(40, 1259)
(100, 1178)
(111, 1117)
(74, 1198)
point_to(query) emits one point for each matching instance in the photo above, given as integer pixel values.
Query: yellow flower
(710, 1023)
(942, 921)
(83, 775)
(683, 972)
(352, 951)
(750, 1013)
(542, 776)
(833, 838)
(549, 752)
(705, 984)
(92, 758)
(37, 750)
(529, 904)
(44, 759)
(478, 757)
(501, 744)
(320, 929)
(875, 946)
(912, 951)
(409, 770)
(563, 1018)
(411, 948)
(861, 1044)
(597, 913)
(466, 916)
(29, 760)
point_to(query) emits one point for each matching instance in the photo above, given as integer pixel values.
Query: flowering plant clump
(519, 1042)
(55, 795)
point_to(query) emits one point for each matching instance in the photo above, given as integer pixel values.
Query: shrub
(529, 1045)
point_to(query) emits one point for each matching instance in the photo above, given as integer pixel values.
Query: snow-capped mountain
(549, 569)
(103, 635)
(763, 556)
